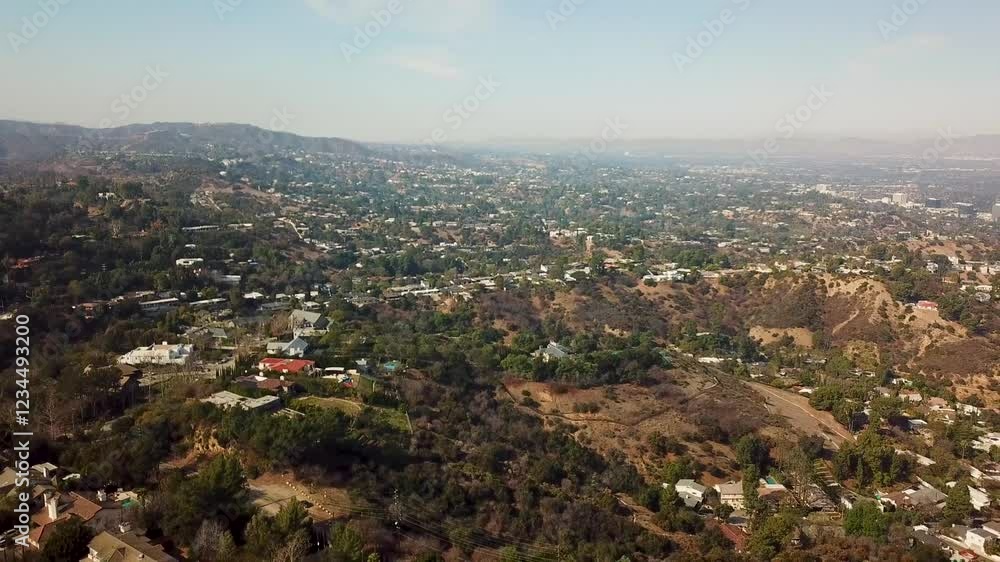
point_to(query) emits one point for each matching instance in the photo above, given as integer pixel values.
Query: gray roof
(927, 496)
(305, 316)
(297, 343)
(730, 488)
(554, 350)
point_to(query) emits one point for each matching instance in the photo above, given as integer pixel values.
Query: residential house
(159, 305)
(735, 535)
(7, 480)
(979, 499)
(922, 495)
(305, 323)
(227, 400)
(813, 497)
(976, 539)
(731, 494)
(552, 352)
(927, 305)
(162, 354)
(771, 491)
(968, 409)
(287, 366)
(264, 383)
(690, 492)
(937, 403)
(125, 547)
(57, 509)
(986, 442)
(295, 348)
(992, 527)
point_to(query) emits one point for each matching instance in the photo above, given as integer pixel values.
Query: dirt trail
(840, 326)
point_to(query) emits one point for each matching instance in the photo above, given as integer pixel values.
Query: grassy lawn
(394, 418)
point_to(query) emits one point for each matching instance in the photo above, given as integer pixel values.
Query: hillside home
(287, 366)
(976, 539)
(303, 322)
(690, 492)
(162, 354)
(295, 348)
(551, 352)
(227, 400)
(124, 547)
(731, 494)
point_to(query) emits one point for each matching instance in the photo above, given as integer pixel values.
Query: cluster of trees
(739, 346)
(610, 360)
(843, 400)
(962, 307)
(870, 461)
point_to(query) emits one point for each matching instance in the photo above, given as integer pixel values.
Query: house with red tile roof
(58, 509)
(287, 366)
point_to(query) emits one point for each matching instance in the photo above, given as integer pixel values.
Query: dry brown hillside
(858, 315)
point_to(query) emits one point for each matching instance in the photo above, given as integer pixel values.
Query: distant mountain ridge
(20, 140)
(982, 146)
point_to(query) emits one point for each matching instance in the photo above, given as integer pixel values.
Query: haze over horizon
(524, 69)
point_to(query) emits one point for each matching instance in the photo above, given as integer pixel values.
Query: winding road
(795, 407)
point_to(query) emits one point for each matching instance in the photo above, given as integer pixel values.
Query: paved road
(795, 407)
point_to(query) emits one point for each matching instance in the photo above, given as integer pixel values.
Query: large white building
(162, 354)
(731, 494)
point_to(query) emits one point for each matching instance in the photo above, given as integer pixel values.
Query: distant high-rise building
(996, 212)
(900, 198)
(933, 203)
(966, 209)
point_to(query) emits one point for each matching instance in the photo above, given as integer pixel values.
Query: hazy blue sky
(609, 59)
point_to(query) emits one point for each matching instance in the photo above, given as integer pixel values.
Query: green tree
(770, 538)
(346, 545)
(958, 507)
(865, 519)
(68, 541)
(752, 450)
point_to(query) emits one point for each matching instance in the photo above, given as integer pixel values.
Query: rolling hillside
(31, 141)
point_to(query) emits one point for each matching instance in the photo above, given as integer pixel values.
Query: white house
(731, 494)
(986, 442)
(295, 348)
(690, 491)
(551, 352)
(976, 539)
(978, 498)
(162, 354)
